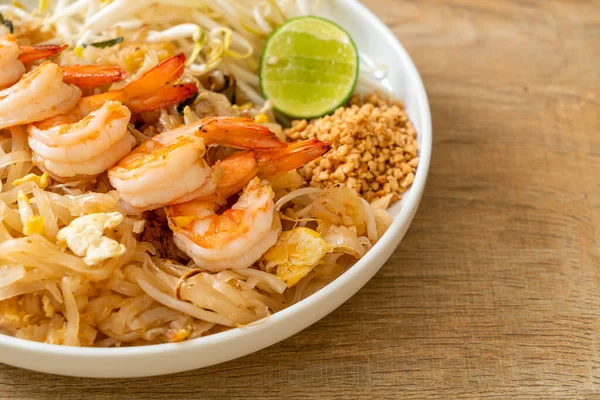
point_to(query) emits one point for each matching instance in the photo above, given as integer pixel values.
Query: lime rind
(341, 75)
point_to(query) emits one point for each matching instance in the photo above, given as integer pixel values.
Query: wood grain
(495, 291)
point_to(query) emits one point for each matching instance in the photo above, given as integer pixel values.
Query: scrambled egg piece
(40, 180)
(178, 335)
(261, 119)
(78, 51)
(295, 254)
(183, 222)
(34, 225)
(11, 314)
(47, 306)
(31, 223)
(85, 237)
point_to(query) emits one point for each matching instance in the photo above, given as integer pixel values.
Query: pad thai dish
(173, 169)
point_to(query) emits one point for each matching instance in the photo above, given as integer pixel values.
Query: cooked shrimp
(153, 90)
(13, 55)
(238, 169)
(11, 69)
(170, 168)
(241, 235)
(91, 75)
(39, 51)
(93, 136)
(38, 95)
(85, 148)
(234, 239)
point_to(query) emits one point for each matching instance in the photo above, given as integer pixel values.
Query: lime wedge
(309, 67)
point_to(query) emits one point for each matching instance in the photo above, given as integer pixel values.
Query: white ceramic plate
(375, 41)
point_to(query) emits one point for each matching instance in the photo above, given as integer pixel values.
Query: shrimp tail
(235, 171)
(158, 77)
(291, 157)
(163, 98)
(37, 52)
(151, 91)
(91, 75)
(236, 132)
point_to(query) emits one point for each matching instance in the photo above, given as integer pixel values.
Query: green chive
(106, 43)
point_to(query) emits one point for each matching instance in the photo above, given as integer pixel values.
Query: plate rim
(394, 234)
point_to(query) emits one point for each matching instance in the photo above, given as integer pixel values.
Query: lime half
(309, 67)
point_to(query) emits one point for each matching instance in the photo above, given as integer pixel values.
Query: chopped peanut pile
(374, 148)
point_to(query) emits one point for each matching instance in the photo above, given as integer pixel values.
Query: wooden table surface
(494, 292)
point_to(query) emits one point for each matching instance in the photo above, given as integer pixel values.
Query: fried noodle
(133, 295)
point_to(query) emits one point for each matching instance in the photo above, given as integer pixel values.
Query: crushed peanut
(374, 148)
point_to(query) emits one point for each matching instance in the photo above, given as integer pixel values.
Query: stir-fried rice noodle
(62, 281)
